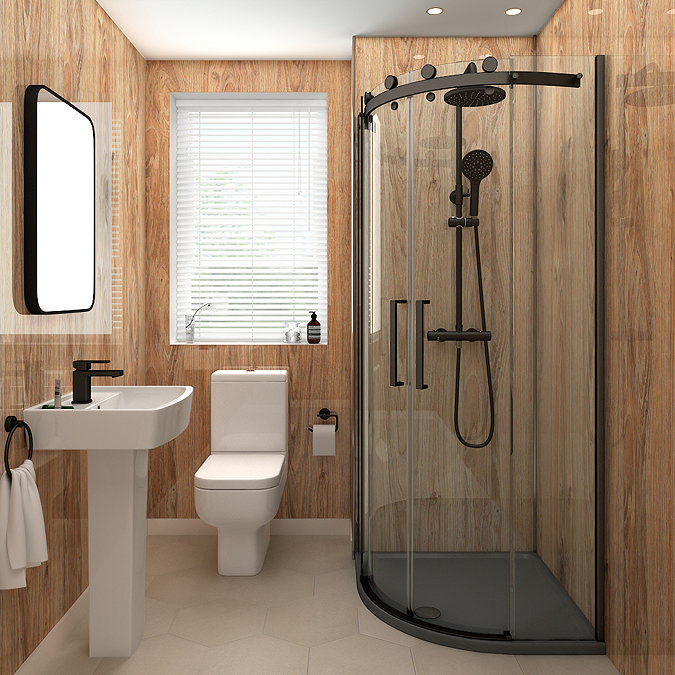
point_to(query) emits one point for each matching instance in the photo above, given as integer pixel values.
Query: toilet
(238, 488)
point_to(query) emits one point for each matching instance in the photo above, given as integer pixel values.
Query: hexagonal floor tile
(215, 623)
(370, 625)
(174, 557)
(188, 587)
(341, 581)
(312, 554)
(359, 654)
(272, 586)
(432, 659)
(166, 654)
(259, 655)
(312, 621)
(158, 617)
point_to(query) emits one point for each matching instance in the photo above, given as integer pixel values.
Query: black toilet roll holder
(324, 414)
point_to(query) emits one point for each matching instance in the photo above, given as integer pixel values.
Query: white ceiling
(306, 29)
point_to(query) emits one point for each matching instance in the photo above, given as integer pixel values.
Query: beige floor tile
(433, 659)
(74, 657)
(312, 621)
(215, 623)
(360, 654)
(188, 587)
(341, 581)
(272, 586)
(301, 611)
(567, 665)
(313, 555)
(370, 625)
(259, 655)
(163, 655)
(173, 557)
(153, 541)
(158, 617)
(206, 540)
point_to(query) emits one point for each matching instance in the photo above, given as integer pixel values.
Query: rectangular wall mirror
(59, 194)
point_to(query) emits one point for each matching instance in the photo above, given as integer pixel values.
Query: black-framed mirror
(59, 204)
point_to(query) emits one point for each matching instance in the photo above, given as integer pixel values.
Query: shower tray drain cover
(427, 612)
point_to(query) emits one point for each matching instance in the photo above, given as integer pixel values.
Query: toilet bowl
(238, 488)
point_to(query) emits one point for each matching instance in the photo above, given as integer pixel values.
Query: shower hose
(458, 367)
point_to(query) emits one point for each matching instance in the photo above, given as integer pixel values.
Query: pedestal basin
(118, 428)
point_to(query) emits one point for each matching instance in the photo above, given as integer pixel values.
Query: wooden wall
(74, 48)
(565, 329)
(320, 376)
(639, 37)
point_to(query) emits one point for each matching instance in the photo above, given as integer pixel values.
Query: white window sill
(197, 343)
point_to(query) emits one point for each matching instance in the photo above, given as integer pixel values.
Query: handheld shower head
(476, 166)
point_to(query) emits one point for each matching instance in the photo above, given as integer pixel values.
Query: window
(249, 215)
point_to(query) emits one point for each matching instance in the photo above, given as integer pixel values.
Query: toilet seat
(241, 471)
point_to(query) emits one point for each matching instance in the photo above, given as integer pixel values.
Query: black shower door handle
(393, 342)
(419, 344)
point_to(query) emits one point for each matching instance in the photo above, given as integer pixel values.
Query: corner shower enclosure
(479, 463)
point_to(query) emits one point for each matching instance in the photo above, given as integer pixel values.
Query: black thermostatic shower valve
(470, 335)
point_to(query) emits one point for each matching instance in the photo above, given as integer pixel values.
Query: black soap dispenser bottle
(313, 330)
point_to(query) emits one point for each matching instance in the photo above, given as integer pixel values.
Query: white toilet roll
(323, 439)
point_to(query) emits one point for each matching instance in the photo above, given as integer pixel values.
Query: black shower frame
(503, 78)
(456, 638)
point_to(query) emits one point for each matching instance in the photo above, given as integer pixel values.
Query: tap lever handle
(85, 364)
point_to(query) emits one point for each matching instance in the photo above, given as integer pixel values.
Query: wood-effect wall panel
(319, 376)
(74, 48)
(565, 330)
(639, 37)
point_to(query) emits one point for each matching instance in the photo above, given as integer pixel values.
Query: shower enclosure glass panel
(491, 545)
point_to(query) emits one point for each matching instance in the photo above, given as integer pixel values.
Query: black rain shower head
(473, 97)
(476, 165)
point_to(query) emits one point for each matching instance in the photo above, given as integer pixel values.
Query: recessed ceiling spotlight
(418, 56)
(595, 12)
(671, 11)
(514, 11)
(435, 10)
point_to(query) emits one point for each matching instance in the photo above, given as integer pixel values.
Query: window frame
(243, 96)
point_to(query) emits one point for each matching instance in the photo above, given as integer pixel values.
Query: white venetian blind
(250, 225)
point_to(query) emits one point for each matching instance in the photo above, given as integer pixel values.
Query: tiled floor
(301, 614)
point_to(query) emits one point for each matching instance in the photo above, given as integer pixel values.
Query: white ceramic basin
(118, 418)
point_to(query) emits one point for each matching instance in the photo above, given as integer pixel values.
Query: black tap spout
(82, 379)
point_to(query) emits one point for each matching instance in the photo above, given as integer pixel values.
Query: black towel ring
(11, 425)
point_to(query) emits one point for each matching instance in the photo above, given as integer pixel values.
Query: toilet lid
(240, 471)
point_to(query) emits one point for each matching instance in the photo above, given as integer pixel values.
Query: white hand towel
(9, 578)
(34, 524)
(16, 529)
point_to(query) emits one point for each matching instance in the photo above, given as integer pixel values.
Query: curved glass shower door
(437, 528)
(386, 399)
(478, 452)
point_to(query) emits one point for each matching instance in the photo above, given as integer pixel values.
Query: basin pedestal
(118, 495)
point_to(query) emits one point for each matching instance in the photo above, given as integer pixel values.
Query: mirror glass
(59, 261)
